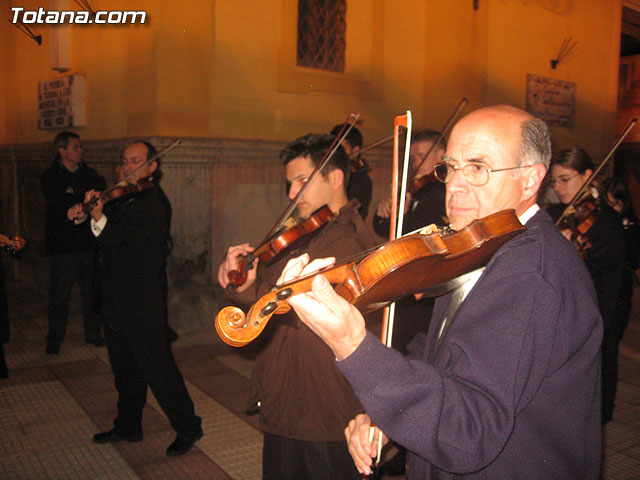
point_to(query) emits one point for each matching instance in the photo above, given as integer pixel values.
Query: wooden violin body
(410, 264)
(280, 243)
(579, 220)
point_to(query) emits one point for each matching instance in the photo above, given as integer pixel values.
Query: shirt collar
(531, 211)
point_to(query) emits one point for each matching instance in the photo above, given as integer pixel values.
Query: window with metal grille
(322, 28)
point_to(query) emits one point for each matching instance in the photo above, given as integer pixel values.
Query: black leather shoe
(96, 342)
(52, 349)
(113, 436)
(182, 445)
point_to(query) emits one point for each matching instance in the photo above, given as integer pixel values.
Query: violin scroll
(239, 276)
(233, 325)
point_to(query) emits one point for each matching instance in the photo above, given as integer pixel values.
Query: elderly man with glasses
(510, 389)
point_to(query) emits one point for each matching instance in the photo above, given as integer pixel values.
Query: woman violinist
(601, 241)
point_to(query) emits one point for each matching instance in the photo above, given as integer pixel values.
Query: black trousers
(141, 359)
(64, 270)
(610, 345)
(288, 459)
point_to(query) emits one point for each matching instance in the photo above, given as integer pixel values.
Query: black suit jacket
(134, 249)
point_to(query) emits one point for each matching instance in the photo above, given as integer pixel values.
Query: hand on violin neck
(235, 256)
(301, 267)
(338, 323)
(97, 202)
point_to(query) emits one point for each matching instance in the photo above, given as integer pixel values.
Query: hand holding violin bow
(362, 439)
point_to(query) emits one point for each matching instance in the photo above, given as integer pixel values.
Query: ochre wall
(220, 74)
(525, 36)
(211, 68)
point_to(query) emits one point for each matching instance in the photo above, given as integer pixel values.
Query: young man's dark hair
(314, 146)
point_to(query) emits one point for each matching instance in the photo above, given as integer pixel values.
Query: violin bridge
(428, 229)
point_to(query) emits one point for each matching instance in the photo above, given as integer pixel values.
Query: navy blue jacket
(514, 390)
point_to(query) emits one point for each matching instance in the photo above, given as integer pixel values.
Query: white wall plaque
(551, 100)
(62, 102)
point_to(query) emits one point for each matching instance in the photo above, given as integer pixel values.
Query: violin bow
(395, 231)
(372, 145)
(569, 209)
(447, 126)
(344, 131)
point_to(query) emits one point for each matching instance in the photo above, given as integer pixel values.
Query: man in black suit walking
(132, 233)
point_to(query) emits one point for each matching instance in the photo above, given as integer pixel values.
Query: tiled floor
(50, 406)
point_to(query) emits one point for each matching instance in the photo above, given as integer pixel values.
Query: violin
(239, 277)
(414, 263)
(579, 220)
(119, 190)
(282, 242)
(12, 245)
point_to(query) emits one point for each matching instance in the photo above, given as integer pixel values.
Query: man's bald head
(533, 137)
(509, 148)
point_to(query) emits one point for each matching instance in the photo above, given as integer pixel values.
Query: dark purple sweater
(514, 390)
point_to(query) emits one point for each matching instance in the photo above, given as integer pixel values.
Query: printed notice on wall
(62, 102)
(551, 100)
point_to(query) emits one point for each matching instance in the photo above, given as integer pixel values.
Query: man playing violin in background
(132, 232)
(425, 200)
(508, 386)
(304, 401)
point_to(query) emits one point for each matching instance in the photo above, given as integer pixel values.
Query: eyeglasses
(562, 180)
(135, 161)
(476, 174)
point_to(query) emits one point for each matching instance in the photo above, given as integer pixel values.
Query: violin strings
(445, 230)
